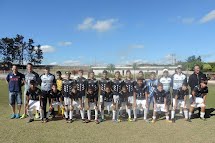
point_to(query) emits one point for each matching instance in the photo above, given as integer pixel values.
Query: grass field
(17, 130)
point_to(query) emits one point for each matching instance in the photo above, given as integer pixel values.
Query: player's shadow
(208, 113)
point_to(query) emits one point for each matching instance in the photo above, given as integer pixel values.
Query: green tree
(111, 68)
(207, 67)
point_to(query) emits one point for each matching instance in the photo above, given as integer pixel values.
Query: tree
(192, 61)
(134, 66)
(207, 67)
(16, 50)
(111, 68)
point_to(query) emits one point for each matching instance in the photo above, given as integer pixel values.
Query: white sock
(70, 114)
(117, 114)
(180, 111)
(102, 114)
(48, 114)
(153, 117)
(135, 113)
(108, 109)
(172, 114)
(41, 114)
(129, 113)
(202, 114)
(190, 114)
(82, 114)
(96, 114)
(114, 115)
(185, 113)
(167, 117)
(145, 113)
(66, 114)
(30, 114)
(89, 114)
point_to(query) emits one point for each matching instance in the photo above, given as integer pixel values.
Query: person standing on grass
(15, 82)
(30, 75)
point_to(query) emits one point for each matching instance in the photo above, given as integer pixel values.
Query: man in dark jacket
(194, 79)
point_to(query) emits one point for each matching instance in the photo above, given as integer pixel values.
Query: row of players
(116, 94)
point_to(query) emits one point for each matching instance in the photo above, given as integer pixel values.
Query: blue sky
(113, 31)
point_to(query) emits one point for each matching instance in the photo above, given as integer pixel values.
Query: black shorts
(174, 93)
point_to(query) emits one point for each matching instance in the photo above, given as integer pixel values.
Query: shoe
(153, 121)
(87, 121)
(42, 121)
(146, 120)
(203, 119)
(96, 121)
(23, 116)
(115, 121)
(119, 120)
(83, 121)
(173, 120)
(130, 120)
(30, 120)
(135, 119)
(46, 120)
(70, 121)
(101, 120)
(13, 116)
(37, 116)
(17, 116)
(168, 121)
(188, 120)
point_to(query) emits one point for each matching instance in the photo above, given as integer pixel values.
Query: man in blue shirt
(15, 81)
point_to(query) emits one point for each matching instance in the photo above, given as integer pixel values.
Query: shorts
(33, 104)
(141, 104)
(92, 106)
(199, 102)
(67, 101)
(15, 97)
(130, 99)
(116, 99)
(56, 104)
(180, 103)
(174, 93)
(160, 107)
(76, 104)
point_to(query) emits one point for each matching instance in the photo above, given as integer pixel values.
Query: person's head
(117, 74)
(67, 74)
(58, 74)
(160, 87)
(185, 86)
(80, 73)
(203, 82)
(47, 70)
(104, 74)
(140, 74)
(14, 69)
(107, 88)
(54, 87)
(90, 90)
(165, 72)
(197, 69)
(29, 67)
(152, 75)
(179, 70)
(91, 74)
(128, 74)
(140, 81)
(124, 89)
(32, 84)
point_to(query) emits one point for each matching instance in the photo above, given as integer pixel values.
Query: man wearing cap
(178, 79)
(166, 81)
(198, 98)
(47, 79)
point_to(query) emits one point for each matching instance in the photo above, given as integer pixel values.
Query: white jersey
(47, 81)
(166, 81)
(178, 80)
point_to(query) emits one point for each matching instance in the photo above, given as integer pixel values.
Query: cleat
(46, 120)
(101, 120)
(168, 121)
(70, 121)
(96, 121)
(17, 116)
(13, 116)
(87, 121)
(37, 116)
(30, 120)
(119, 120)
(42, 121)
(135, 119)
(146, 120)
(115, 121)
(83, 121)
(153, 121)
(188, 120)
(23, 116)
(173, 120)
(129, 120)
(203, 119)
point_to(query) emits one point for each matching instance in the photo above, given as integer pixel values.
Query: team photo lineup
(49, 95)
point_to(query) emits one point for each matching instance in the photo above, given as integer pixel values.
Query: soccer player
(30, 75)
(128, 101)
(81, 87)
(179, 101)
(15, 82)
(166, 81)
(141, 98)
(56, 99)
(102, 87)
(92, 100)
(160, 102)
(198, 98)
(33, 96)
(117, 84)
(129, 83)
(67, 94)
(152, 85)
(47, 79)
(177, 80)
(140, 75)
(59, 82)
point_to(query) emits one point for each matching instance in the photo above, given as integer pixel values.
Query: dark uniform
(130, 86)
(67, 87)
(81, 86)
(182, 93)
(33, 94)
(200, 92)
(140, 92)
(93, 83)
(159, 96)
(55, 96)
(103, 82)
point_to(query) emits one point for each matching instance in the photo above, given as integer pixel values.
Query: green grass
(18, 130)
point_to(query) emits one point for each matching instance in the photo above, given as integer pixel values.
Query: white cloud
(53, 63)
(72, 62)
(65, 43)
(137, 46)
(208, 17)
(47, 49)
(97, 25)
(189, 20)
